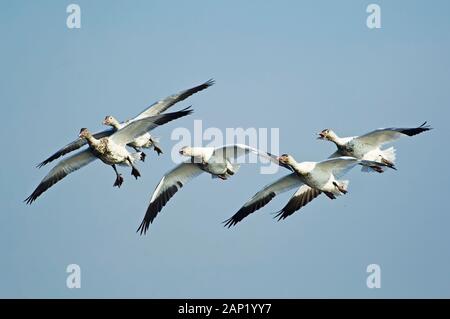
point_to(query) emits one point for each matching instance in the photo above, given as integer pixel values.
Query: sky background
(300, 66)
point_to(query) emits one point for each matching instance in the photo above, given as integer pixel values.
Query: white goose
(368, 146)
(219, 162)
(155, 109)
(311, 179)
(110, 150)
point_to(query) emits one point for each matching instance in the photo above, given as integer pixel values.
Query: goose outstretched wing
(337, 166)
(73, 146)
(169, 185)
(264, 196)
(303, 196)
(135, 129)
(386, 135)
(61, 170)
(162, 105)
(235, 151)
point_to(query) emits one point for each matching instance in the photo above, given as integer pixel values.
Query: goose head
(194, 152)
(286, 160)
(110, 121)
(84, 133)
(190, 151)
(327, 134)
(184, 151)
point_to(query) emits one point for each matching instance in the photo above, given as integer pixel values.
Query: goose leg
(222, 177)
(230, 172)
(388, 163)
(143, 155)
(157, 149)
(119, 178)
(155, 144)
(330, 195)
(134, 170)
(377, 169)
(340, 188)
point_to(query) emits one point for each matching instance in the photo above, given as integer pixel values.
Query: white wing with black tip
(162, 105)
(135, 129)
(169, 185)
(73, 146)
(386, 135)
(303, 196)
(61, 170)
(154, 109)
(263, 197)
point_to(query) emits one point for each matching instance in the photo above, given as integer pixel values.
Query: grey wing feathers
(415, 130)
(338, 166)
(263, 197)
(135, 129)
(386, 135)
(302, 197)
(163, 105)
(169, 185)
(335, 154)
(61, 170)
(73, 146)
(234, 151)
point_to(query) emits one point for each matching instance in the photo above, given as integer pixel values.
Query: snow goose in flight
(311, 179)
(219, 162)
(368, 146)
(111, 150)
(143, 141)
(140, 141)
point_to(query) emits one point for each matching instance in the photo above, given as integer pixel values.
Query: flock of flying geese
(113, 147)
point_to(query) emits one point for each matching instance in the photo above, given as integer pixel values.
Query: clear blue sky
(301, 66)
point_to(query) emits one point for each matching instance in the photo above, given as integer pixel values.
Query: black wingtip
(30, 199)
(41, 164)
(229, 222)
(45, 162)
(279, 216)
(210, 82)
(143, 227)
(168, 117)
(188, 109)
(417, 130)
(425, 126)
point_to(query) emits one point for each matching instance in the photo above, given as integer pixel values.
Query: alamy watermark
(374, 279)
(74, 278)
(373, 21)
(73, 20)
(263, 139)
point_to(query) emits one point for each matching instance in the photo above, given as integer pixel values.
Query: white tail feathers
(372, 166)
(389, 154)
(344, 184)
(135, 157)
(155, 140)
(235, 167)
(341, 184)
(368, 169)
